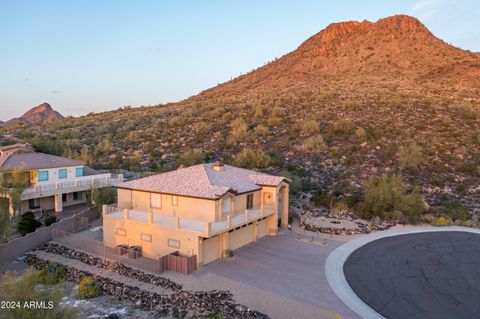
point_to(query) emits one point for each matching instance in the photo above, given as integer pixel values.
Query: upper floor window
(226, 205)
(249, 201)
(155, 200)
(62, 173)
(174, 200)
(42, 176)
(79, 172)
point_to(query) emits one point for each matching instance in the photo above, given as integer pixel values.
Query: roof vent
(218, 166)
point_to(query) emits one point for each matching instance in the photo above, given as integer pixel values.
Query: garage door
(241, 237)
(211, 249)
(262, 228)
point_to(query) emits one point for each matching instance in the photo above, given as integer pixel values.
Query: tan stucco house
(205, 210)
(54, 181)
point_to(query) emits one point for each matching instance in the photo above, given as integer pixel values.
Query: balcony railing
(205, 229)
(80, 183)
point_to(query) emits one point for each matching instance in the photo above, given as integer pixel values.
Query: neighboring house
(205, 210)
(54, 182)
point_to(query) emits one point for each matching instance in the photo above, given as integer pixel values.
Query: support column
(58, 203)
(11, 209)
(225, 243)
(284, 217)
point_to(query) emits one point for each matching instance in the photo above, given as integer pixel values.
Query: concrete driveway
(281, 276)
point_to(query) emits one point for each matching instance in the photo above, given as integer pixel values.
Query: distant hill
(38, 114)
(345, 105)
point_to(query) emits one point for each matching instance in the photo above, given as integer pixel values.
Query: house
(53, 182)
(205, 210)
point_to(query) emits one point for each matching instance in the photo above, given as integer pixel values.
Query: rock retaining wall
(114, 266)
(179, 304)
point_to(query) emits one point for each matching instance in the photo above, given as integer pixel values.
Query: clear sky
(90, 56)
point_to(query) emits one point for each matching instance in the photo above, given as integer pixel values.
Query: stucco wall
(187, 207)
(157, 247)
(53, 175)
(48, 202)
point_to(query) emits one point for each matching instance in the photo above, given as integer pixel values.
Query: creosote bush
(386, 196)
(89, 288)
(27, 223)
(410, 156)
(52, 274)
(314, 144)
(252, 159)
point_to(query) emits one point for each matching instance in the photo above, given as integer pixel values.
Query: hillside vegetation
(356, 100)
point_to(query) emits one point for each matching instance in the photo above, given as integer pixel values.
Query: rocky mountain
(355, 100)
(38, 114)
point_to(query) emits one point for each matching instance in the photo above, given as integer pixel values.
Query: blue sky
(91, 56)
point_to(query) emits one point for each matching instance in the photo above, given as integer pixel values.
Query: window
(121, 232)
(77, 196)
(155, 200)
(173, 243)
(42, 176)
(174, 200)
(34, 203)
(267, 198)
(146, 237)
(226, 205)
(79, 172)
(62, 173)
(64, 197)
(249, 201)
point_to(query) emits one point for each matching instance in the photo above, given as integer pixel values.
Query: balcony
(82, 183)
(204, 229)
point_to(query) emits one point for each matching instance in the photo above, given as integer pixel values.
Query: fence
(128, 256)
(20, 246)
(182, 264)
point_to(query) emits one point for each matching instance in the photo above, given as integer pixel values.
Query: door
(211, 249)
(262, 228)
(241, 237)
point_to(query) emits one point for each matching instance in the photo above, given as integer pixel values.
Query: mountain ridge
(341, 107)
(38, 114)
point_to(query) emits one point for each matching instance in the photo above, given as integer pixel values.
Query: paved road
(426, 275)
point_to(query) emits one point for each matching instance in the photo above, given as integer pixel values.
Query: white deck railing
(205, 229)
(80, 183)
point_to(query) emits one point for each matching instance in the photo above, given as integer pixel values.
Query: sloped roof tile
(204, 181)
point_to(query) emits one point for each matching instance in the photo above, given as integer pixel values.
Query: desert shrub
(321, 198)
(441, 221)
(261, 130)
(50, 219)
(386, 196)
(310, 127)
(343, 126)
(277, 111)
(252, 159)
(260, 110)
(360, 133)
(239, 130)
(455, 211)
(314, 144)
(410, 156)
(339, 209)
(89, 288)
(104, 196)
(26, 288)
(52, 274)
(274, 121)
(27, 223)
(191, 157)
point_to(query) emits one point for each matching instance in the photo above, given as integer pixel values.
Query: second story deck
(202, 228)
